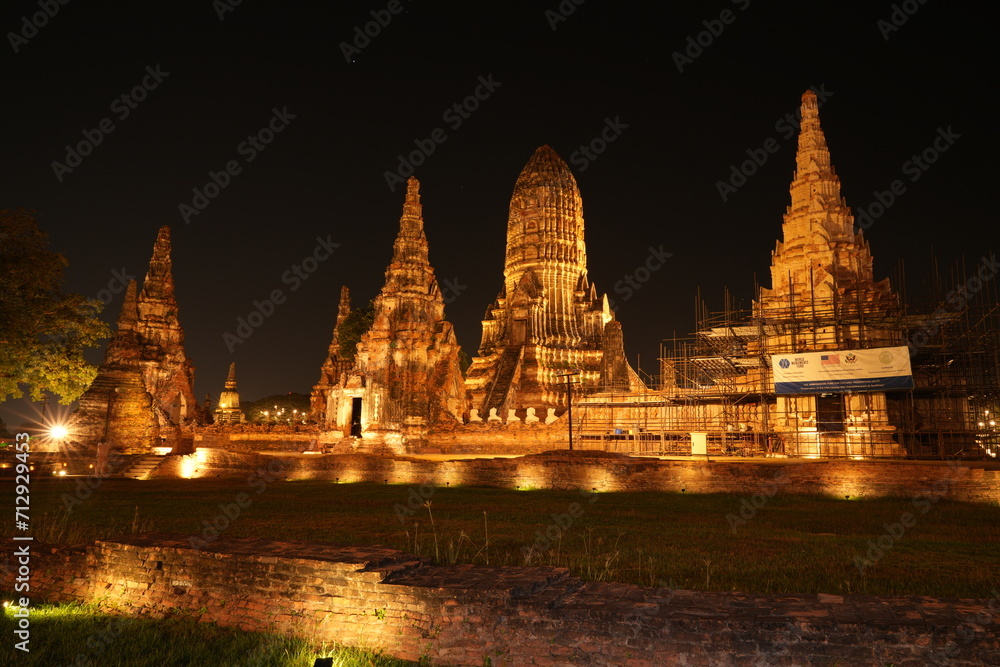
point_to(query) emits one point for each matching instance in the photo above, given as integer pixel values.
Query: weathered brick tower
(406, 376)
(168, 373)
(548, 318)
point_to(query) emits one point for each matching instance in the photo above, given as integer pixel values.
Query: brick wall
(460, 615)
(605, 471)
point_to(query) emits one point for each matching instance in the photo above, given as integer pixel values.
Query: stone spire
(410, 269)
(548, 317)
(334, 366)
(124, 350)
(168, 372)
(818, 225)
(343, 310)
(228, 410)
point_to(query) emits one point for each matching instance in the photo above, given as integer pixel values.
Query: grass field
(88, 636)
(789, 544)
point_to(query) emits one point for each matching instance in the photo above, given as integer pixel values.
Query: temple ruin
(406, 376)
(548, 321)
(144, 390)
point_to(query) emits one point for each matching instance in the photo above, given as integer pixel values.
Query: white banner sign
(876, 369)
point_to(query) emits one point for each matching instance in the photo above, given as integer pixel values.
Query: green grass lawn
(88, 636)
(791, 544)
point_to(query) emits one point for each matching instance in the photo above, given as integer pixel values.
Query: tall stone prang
(406, 376)
(117, 407)
(824, 296)
(168, 373)
(548, 319)
(228, 411)
(334, 366)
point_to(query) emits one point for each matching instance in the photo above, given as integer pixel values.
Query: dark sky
(323, 175)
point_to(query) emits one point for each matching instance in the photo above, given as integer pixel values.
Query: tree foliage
(355, 325)
(43, 332)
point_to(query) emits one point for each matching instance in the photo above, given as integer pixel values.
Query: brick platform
(462, 614)
(605, 471)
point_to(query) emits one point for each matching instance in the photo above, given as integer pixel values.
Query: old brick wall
(460, 615)
(604, 471)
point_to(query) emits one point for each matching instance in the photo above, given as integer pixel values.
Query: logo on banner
(885, 357)
(784, 363)
(851, 358)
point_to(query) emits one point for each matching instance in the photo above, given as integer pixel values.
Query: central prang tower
(548, 319)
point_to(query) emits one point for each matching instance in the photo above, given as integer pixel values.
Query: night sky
(678, 124)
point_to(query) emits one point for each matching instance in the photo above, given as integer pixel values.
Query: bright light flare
(58, 432)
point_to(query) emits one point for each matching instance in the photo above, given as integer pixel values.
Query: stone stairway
(501, 383)
(144, 466)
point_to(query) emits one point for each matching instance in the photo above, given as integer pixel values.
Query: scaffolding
(718, 381)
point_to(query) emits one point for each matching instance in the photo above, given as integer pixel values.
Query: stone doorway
(356, 417)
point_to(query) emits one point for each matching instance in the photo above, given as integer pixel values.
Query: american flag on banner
(829, 359)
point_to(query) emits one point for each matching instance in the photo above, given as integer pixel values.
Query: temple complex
(406, 376)
(228, 410)
(548, 320)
